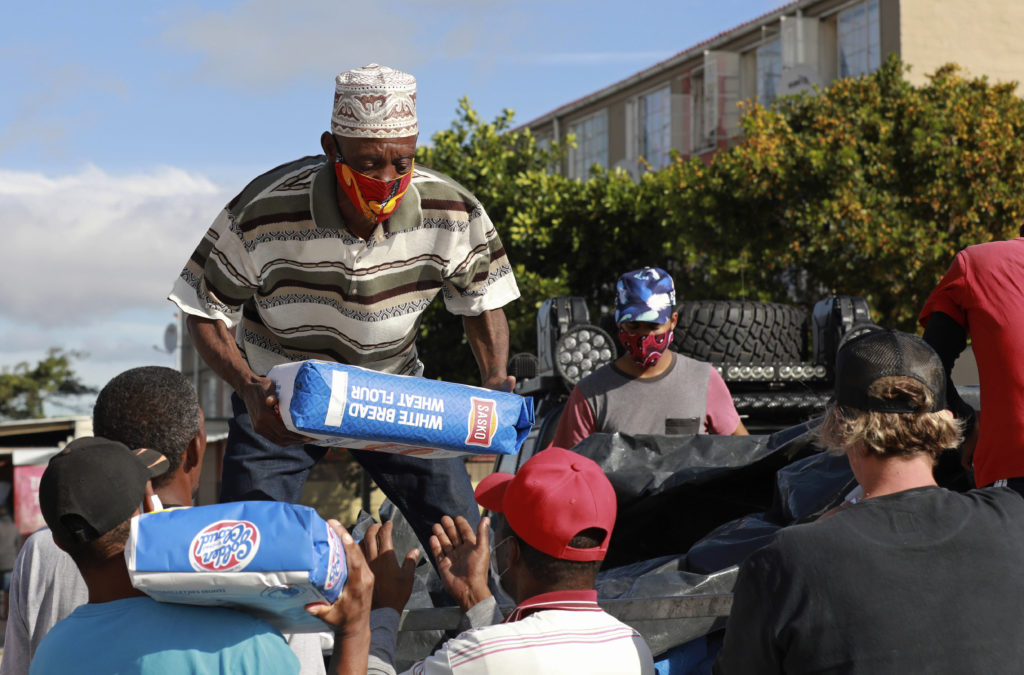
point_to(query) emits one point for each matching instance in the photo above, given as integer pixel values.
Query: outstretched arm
(488, 338)
(350, 613)
(393, 581)
(392, 587)
(948, 338)
(216, 345)
(463, 559)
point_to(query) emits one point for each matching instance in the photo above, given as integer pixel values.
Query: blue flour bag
(352, 407)
(267, 558)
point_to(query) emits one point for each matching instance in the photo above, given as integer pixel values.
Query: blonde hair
(885, 434)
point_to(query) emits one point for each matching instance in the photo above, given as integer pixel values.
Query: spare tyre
(740, 331)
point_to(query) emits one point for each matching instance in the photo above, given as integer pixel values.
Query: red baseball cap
(555, 495)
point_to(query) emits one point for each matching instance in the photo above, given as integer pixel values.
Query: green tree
(563, 236)
(504, 169)
(867, 188)
(25, 388)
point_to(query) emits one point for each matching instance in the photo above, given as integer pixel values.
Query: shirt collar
(324, 199)
(569, 601)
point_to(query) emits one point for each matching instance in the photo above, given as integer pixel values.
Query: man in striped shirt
(555, 519)
(336, 257)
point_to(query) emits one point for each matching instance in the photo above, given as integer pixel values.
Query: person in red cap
(554, 520)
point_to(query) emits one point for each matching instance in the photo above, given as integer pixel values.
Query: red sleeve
(721, 417)
(576, 423)
(950, 296)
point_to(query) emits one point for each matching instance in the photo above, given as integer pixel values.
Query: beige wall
(983, 36)
(980, 35)
(889, 27)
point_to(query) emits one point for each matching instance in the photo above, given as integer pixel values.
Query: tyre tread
(740, 331)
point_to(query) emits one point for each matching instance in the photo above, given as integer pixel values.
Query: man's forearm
(949, 339)
(383, 635)
(216, 345)
(484, 613)
(351, 652)
(946, 337)
(488, 338)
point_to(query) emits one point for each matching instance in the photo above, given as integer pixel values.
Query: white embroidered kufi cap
(374, 102)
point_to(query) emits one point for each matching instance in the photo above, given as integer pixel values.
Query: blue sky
(125, 126)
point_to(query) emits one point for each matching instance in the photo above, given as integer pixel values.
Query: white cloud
(264, 44)
(88, 259)
(84, 247)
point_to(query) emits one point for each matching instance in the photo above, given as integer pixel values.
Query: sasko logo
(224, 546)
(483, 421)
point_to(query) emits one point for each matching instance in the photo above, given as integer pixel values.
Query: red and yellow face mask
(376, 199)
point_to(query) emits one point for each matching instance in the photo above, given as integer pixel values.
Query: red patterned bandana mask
(376, 199)
(646, 350)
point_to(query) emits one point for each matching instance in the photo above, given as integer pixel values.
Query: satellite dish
(798, 79)
(171, 338)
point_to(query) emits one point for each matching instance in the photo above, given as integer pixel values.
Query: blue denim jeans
(422, 489)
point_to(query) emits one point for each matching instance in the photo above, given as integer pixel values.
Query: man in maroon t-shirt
(982, 296)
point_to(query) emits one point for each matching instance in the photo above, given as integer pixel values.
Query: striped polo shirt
(281, 269)
(555, 632)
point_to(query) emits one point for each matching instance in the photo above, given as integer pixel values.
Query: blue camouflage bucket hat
(646, 294)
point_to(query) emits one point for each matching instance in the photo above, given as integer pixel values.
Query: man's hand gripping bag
(352, 407)
(268, 558)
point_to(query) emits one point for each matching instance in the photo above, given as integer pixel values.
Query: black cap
(93, 485)
(870, 356)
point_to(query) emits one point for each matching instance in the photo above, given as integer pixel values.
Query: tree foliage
(25, 388)
(505, 170)
(866, 188)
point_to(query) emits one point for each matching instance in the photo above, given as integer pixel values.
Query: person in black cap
(149, 406)
(912, 578)
(88, 495)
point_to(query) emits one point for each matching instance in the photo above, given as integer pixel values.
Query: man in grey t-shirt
(46, 585)
(650, 389)
(45, 588)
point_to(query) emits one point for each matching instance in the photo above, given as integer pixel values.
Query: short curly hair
(544, 566)
(885, 434)
(149, 407)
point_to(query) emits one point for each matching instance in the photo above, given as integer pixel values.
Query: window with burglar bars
(858, 39)
(591, 145)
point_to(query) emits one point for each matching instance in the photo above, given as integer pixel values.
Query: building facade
(689, 102)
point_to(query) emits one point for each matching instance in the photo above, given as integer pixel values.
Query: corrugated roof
(44, 425)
